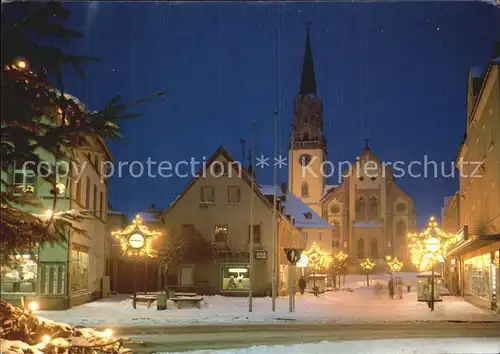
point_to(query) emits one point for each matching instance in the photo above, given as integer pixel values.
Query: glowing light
(136, 241)
(303, 261)
(21, 64)
(395, 265)
(61, 188)
(46, 339)
(33, 306)
(108, 332)
(318, 259)
(367, 265)
(49, 213)
(237, 270)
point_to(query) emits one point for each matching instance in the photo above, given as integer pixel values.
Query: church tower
(307, 143)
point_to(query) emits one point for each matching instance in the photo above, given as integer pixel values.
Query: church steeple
(308, 80)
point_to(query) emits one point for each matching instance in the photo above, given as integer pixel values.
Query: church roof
(297, 209)
(308, 80)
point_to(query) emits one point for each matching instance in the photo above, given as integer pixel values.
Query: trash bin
(161, 302)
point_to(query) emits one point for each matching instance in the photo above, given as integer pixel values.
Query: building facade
(67, 274)
(475, 259)
(216, 206)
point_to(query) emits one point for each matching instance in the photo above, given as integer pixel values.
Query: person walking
(400, 288)
(302, 285)
(391, 288)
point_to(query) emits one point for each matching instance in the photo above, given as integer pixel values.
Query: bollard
(161, 302)
(135, 301)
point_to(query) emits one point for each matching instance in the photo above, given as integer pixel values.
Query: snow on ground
(361, 305)
(383, 346)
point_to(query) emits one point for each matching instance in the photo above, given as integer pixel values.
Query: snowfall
(383, 346)
(362, 304)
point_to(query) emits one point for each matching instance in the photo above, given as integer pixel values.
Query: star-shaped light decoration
(430, 246)
(367, 265)
(317, 258)
(395, 264)
(136, 239)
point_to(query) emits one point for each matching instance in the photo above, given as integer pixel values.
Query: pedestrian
(391, 288)
(302, 285)
(400, 288)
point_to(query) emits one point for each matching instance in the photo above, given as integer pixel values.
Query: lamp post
(367, 266)
(317, 259)
(432, 245)
(136, 241)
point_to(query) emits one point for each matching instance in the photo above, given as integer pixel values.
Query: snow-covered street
(361, 305)
(383, 346)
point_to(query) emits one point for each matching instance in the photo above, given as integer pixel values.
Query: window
(360, 208)
(101, 206)
(207, 195)
(235, 277)
(401, 207)
(220, 234)
(19, 274)
(79, 268)
(256, 234)
(87, 193)
(233, 194)
(24, 182)
(320, 236)
(401, 230)
(334, 208)
(335, 243)
(52, 278)
(78, 185)
(374, 248)
(361, 248)
(304, 190)
(374, 214)
(217, 168)
(94, 201)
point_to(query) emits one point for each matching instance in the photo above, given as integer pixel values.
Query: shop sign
(261, 255)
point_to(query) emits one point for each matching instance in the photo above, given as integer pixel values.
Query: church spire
(308, 80)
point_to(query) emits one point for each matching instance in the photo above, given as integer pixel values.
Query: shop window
(79, 268)
(235, 277)
(477, 276)
(233, 194)
(256, 234)
(24, 182)
(220, 234)
(19, 274)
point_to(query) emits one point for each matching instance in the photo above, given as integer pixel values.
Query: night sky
(394, 73)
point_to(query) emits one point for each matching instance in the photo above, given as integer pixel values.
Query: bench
(185, 294)
(149, 299)
(181, 300)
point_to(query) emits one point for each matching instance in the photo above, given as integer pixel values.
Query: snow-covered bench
(181, 300)
(185, 294)
(147, 298)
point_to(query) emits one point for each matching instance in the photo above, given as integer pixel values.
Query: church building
(370, 213)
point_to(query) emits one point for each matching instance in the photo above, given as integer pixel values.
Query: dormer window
(308, 215)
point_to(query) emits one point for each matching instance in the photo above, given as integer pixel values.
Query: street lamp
(395, 265)
(317, 259)
(367, 266)
(136, 241)
(432, 246)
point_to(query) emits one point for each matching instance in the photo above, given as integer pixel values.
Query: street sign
(303, 261)
(293, 255)
(261, 255)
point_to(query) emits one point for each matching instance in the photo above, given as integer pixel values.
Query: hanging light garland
(136, 239)
(429, 246)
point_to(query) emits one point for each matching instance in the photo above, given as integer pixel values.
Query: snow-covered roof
(294, 205)
(368, 223)
(496, 60)
(150, 216)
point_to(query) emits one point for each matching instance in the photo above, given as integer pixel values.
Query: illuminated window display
(235, 277)
(79, 269)
(477, 276)
(19, 275)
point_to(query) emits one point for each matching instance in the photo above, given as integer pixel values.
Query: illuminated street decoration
(367, 266)
(394, 264)
(341, 256)
(429, 246)
(317, 259)
(136, 239)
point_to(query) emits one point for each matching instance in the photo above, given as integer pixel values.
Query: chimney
(308, 215)
(283, 187)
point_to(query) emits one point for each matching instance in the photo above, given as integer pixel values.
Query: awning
(473, 244)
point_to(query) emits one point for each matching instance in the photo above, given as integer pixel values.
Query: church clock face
(305, 159)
